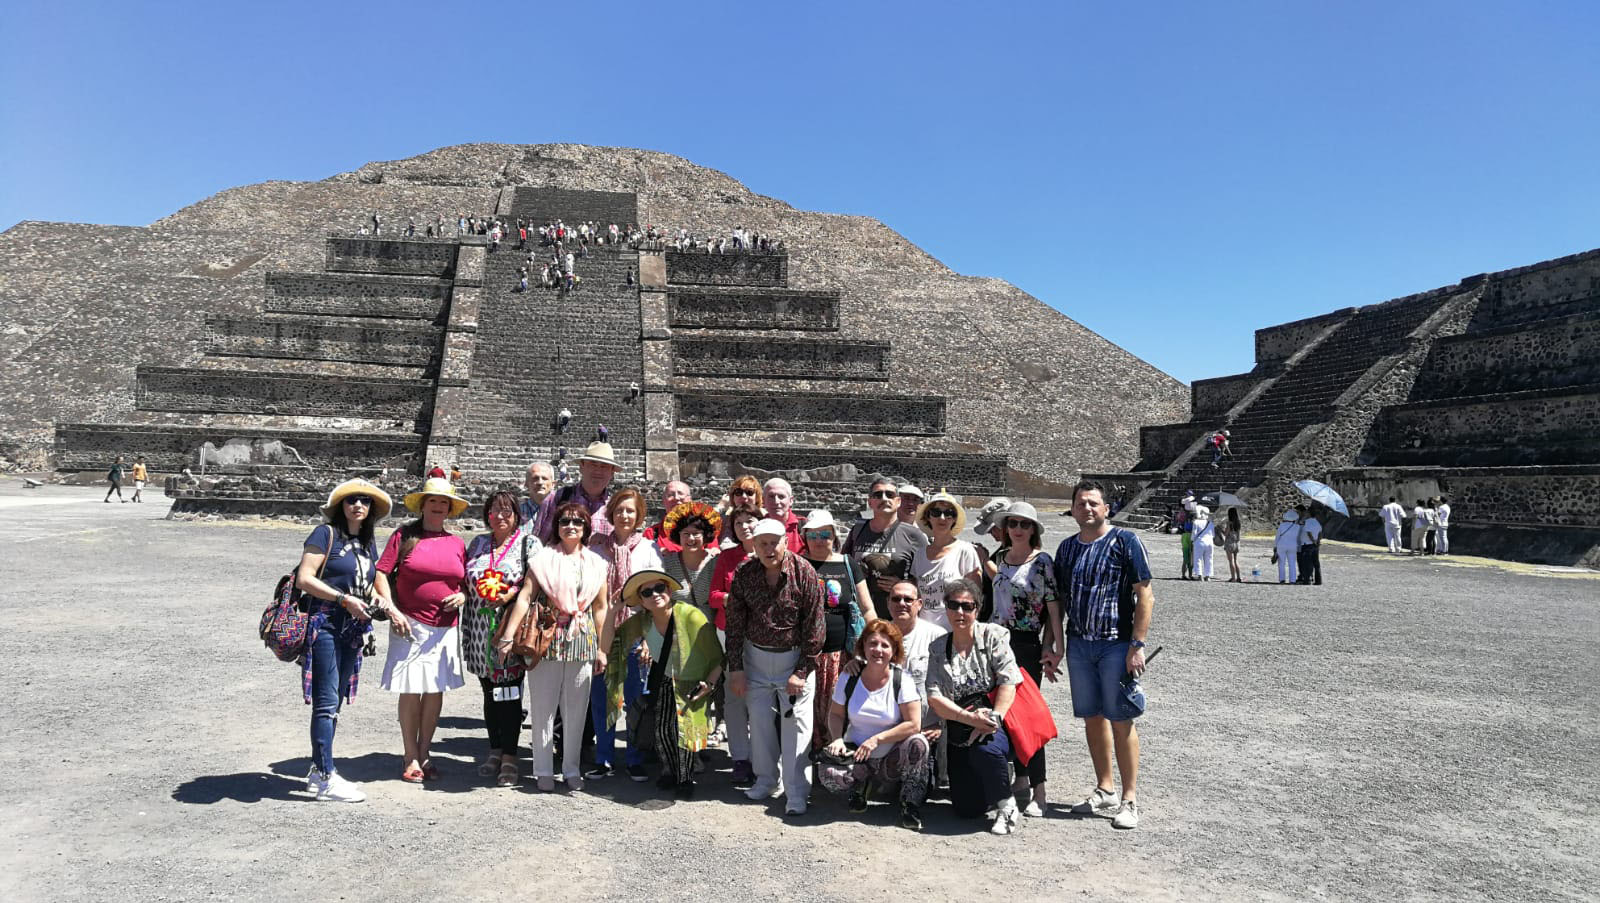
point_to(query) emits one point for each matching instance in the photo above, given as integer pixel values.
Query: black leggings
(503, 718)
(1030, 658)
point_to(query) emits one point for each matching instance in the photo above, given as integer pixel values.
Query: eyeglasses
(571, 522)
(967, 607)
(358, 500)
(817, 534)
(941, 512)
(884, 494)
(746, 492)
(502, 512)
(1013, 523)
(902, 598)
(656, 589)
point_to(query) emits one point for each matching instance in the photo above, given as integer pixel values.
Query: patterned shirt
(1096, 581)
(785, 616)
(546, 518)
(1021, 592)
(988, 664)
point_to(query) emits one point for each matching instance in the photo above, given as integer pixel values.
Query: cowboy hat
(641, 579)
(381, 504)
(988, 516)
(945, 498)
(599, 453)
(440, 487)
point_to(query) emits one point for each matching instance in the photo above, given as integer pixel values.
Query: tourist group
(889, 660)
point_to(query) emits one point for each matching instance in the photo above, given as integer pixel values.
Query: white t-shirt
(959, 560)
(917, 644)
(1444, 515)
(1310, 532)
(874, 711)
(1393, 514)
(1204, 528)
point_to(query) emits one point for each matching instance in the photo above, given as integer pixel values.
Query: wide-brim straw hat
(1024, 511)
(381, 503)
(437, 486)
(600, 453)
(942, 497)
(641, 579)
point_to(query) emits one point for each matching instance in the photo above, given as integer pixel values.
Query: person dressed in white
(1310, 562)
(1286, 545)
(1204, 532)
(1421, 516)
(1441, 536)
(1393, 517)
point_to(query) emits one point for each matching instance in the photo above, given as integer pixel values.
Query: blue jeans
(605, 737)
(1095, 669)
(331, 666)
(978, 774)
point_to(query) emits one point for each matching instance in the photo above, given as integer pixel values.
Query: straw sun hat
(439, 487)
(942, 498)
(381, 503)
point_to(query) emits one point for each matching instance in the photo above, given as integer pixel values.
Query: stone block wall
(775, 358)
(543, 205)
(395, 256)
(1566, 496)
(347, 295)
(1560, 352)
(753, 308)
(815, 411)
(1161, 444)
(187, 389)
(1214, 397)
(324, 340)
(743, 268)
(1554, 288)
(1554, 426)
(975, 473)
(1276, 343)
(169, 448)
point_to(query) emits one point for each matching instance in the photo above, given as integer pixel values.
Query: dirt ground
(1413, 729)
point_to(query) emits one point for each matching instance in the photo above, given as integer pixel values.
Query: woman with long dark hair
(496, 563)
(336, 575)
(1231, 531)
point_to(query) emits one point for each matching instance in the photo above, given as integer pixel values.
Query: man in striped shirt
(1103, 574)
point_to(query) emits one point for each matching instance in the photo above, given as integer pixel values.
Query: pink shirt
(435, 568)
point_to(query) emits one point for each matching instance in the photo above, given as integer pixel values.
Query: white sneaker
(1127, 816)
(758, 792)
(315, 780)
(1101, 802)
(338, 790)
(1005, 817)
(1033, 809)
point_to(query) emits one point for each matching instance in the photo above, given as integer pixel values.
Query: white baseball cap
(769, 527)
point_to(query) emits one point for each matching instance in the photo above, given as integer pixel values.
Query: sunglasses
(571, 522)
(653, 590)
(747, 492)
(902, 598)
(817, 534)
(941, 512)
(967, 607)
(359, 500)
(884, 494)
(1013, 523)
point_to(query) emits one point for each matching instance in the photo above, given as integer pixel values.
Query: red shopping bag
(1029, 723)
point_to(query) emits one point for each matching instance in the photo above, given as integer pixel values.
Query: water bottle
(1255, 574)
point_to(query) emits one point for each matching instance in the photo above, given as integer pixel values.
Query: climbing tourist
(337, 566)
(777, 496)
(875, 720)
(775, 633)
(1229, 533)
(496, 565)
(1202, 530)
(597, 466)
(1026, 604)
(945, 557)
(1286, 547)
(1219, 447)
(684, 664)
(675, 493)
(625, 551)
(141, 475)
(1103, 576)
(569, 580)
(114, 478)
(735, 713)
(1394, 518)
(690, 527)
(1310, 557)
(1441, 515)
(421, 574)
(972, 682)
(890, 544)
(846, 608)
(911, 498)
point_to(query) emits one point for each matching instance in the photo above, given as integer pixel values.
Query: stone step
(393, 256)
(356, 295)
(327, 339)
(168, 448)
(976, 474)
(199, 390)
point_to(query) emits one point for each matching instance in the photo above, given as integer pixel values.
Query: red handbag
(1029, 723)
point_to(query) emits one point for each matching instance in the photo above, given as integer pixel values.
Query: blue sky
(1172, 175)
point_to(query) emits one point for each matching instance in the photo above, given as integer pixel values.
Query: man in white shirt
(917, 636)
(1310, 559)
(1419, 526)
(1441, 536)
(1393, 517)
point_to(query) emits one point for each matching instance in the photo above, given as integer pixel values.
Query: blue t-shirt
(351, 566)
(1095, 581)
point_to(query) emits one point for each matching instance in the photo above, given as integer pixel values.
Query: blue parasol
(1324, 494)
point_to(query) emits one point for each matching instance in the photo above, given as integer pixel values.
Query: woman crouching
(876, 718)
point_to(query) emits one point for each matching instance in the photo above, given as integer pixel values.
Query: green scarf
(695, 653)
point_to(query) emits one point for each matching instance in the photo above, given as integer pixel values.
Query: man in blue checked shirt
(1103, 574)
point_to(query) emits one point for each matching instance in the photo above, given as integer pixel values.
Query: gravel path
(1415, 729)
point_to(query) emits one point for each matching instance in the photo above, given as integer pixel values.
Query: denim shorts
(1095, 669)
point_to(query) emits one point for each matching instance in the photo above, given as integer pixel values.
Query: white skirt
(429, 662)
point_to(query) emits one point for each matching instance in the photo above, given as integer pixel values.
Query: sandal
(429, 772)
(412, 775)
(490, 766)
(508, 773)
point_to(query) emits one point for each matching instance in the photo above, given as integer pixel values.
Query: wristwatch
(1137, 644)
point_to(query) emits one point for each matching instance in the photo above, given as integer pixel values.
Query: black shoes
(910, 818)
(858, 799)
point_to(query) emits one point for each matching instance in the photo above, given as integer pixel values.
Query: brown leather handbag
(536, 632)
